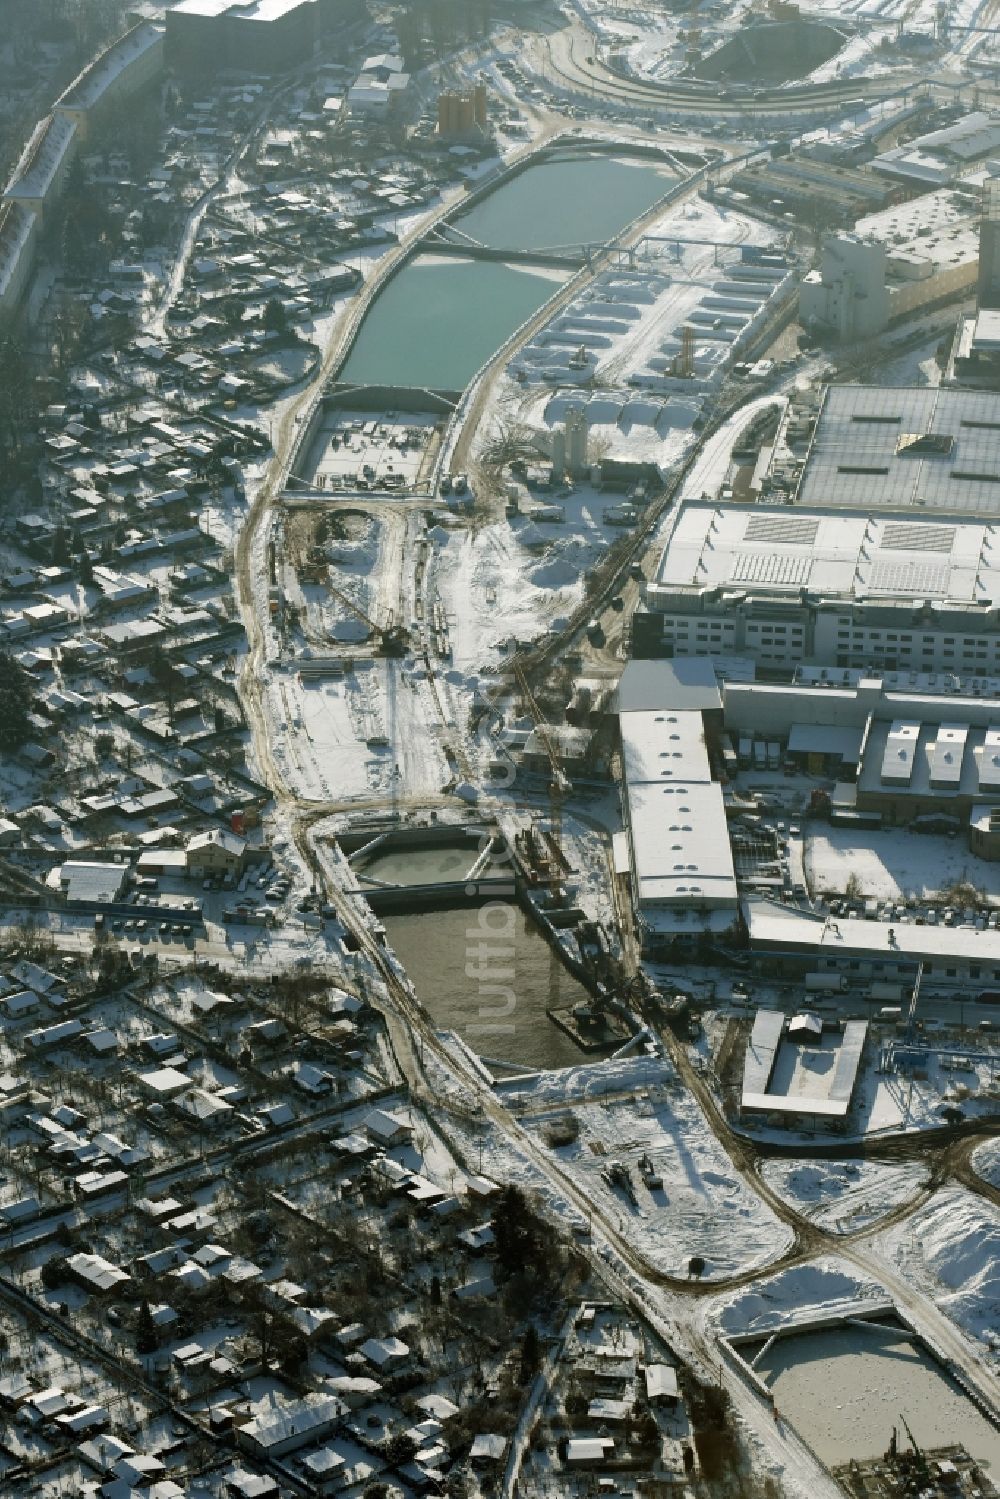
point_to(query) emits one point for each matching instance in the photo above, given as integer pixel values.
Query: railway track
(563, 64)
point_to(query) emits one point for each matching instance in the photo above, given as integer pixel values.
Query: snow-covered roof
(927, 760)
(382, 1351)
(664, 747)
(274, 1424)
(941, 155)
(51, 143)
(88, 87)
(864, 554)
(661, 1382)
(218, 838)
(685, 682)
(16, 225)
(242, 10)
(385, 1126)
(776, 1080)
(96, 1271)
(488, 1445)
(87, 880)
(680, 844)
(779, 928)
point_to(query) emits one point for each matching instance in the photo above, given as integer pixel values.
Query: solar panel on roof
(900, 537)
(758, 567)
(908, 577)
(789, 530)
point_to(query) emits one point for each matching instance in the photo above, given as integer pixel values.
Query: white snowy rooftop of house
(929, 447)
(867, 555)
(680, 842)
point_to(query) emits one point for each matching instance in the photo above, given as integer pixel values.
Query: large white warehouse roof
(781, 550)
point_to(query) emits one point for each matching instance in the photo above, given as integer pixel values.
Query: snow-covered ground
(844, 1195)
(895, 863)
(986, 1160)
(823, 1285)
(950, 1252)
(373, 731)
(703, 1206)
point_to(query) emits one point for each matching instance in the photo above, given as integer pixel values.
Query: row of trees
(16, 700)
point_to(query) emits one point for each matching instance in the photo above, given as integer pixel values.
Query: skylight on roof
(924, 444)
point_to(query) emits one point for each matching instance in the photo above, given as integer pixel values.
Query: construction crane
(919, 1461)
(559, 785)
(559, 788)
(692, 55)
(911, 1014)
(392, 638)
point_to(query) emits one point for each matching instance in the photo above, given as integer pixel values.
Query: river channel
(442, 317)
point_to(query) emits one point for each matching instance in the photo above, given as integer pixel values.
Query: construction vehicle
(618, 1176)
(651, 1178)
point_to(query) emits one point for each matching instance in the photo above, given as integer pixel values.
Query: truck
(825, 983)
(886, 994)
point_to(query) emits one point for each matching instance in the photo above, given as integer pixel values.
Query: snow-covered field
(950, 1252)
(703, 1207)
(357, 735)
(844, 1195)
(895, 863)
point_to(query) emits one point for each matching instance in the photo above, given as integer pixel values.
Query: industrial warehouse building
(887, 557)
(801, 1070)
(676, 848)
(895, 262)
(916, 448)
(782, 586)
(787, 939)
(904, 755)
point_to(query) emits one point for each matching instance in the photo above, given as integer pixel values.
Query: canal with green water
(442, 317)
